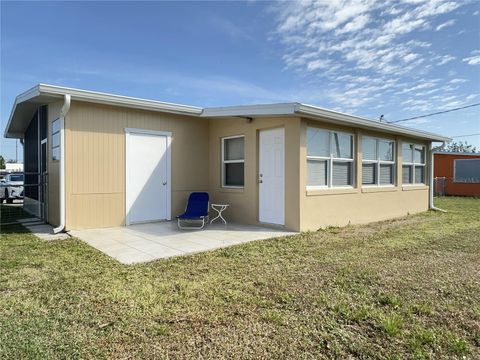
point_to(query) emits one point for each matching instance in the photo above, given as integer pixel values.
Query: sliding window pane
(368, 174)
(419, 174)
(407, 174)
(234, 148)
(342, 146)
(342, 173)
(369, 149)
(56, 153)
(419, 155)
(316, 173)
(234, 174)
(385, 149)
(407, 153)
(55, 126)
(318, 142)
(386, 174)
(56, 140)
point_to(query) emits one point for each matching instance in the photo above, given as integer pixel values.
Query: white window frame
(59, 144)
(413, 164)
(232, 161)
(331, 159)
(379, 162)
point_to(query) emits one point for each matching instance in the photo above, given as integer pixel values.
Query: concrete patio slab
(41, 230)
(152, 241)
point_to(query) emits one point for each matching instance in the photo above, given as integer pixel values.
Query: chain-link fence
(439, 186)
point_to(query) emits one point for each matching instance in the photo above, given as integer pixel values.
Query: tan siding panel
(96, 160)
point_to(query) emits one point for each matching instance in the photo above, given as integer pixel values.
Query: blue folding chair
(196, 210)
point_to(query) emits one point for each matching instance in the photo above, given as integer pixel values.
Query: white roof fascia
(251, 110)
(280, 109)
(25, 96)
(455, 153)
(359, 121)
(97, 97)
(104, 98)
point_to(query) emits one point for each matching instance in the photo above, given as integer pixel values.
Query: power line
(435, 113)
(465, 135)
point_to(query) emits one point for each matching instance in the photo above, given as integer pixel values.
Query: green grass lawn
(406, 288)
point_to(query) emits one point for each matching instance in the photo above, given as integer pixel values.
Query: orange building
(457, 174)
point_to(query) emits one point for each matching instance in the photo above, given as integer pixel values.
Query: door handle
(260, 181)
(165, 183)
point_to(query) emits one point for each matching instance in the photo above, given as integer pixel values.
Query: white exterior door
(147, 176)
(272, 176)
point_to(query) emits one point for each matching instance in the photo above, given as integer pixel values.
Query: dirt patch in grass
(406, 288)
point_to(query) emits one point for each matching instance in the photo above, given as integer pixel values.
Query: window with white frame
(413, 167)
(329, 158)
(56, 139)
(378, 161)
(233, 161)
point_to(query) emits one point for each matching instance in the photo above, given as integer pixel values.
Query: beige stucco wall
(95, 160)
(95, 170)
(244, 202)
(339, 207)
(53, 168)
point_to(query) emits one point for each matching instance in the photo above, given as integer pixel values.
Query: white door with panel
(147, 176)
(271, 171)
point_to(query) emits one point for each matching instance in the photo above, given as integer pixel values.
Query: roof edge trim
(356, 121)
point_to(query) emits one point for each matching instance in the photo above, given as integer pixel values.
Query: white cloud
(356, 24)
(445, 59)
(458, 81)
(445, 24)
(347, 44)
(472, 60)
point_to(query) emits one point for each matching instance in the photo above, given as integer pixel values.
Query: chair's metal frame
(204, 220)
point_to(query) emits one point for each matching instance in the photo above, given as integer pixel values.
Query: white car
(11, 187)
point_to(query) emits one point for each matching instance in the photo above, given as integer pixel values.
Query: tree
(460, 147)
(2, 162)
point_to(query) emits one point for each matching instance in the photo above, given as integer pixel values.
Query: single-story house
(457, 173)
(103, 160)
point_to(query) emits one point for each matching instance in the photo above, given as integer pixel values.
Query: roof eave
(308, 110)
(25, 96)
(58, 92)
(119, 100)
(261, 110)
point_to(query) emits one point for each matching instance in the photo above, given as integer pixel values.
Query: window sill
(232, 189)
(331, 191)
(414, 187)
(375, 189)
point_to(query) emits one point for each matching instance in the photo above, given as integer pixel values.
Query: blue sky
(366, 57)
